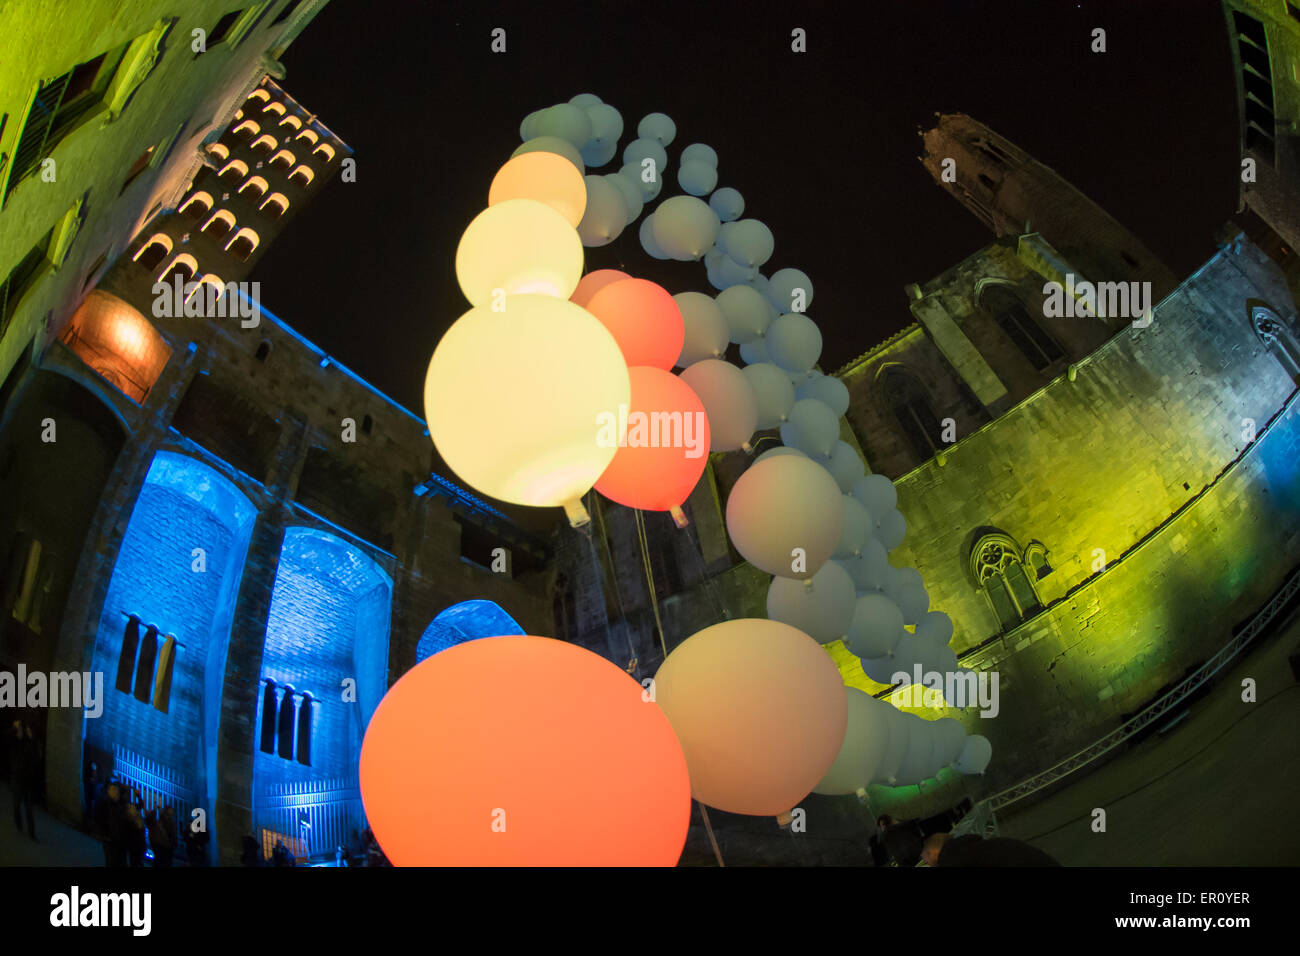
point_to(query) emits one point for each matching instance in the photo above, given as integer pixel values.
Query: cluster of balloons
(595, 355)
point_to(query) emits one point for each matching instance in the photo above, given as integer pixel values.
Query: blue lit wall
(329, 621)
(465, 622)
(182, 506)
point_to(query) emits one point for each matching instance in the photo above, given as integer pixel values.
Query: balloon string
(708, 827)
(613, 580)
(650, 578)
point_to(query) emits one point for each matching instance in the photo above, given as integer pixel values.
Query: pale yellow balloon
(518, 247)
(513, 400)
(547, 177)
(760, 711)
(553, 144)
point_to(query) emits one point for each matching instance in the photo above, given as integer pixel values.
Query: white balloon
(773, 390)
(732, 273)
(906, 658)
(879, 669)
(935, 626)
(726, 202)
(728, 401)
(585, 100)
(795, 343)
(887, 771)
(866, 742)
(698, 178)
(876, 492)
(828, 389)
(856, 532)
(945, 662)
(868, 570)
(811, 427)
(599, 152)
(570, 123)
(698, 151)
(784, 515)
(975, 755)
(637, 174)
(891, 527)
(685, 227)
(876, 627)
(647, 237)
(914, 601)
(528, 126)
(658, 127)
(950, 738)
(783, 290)
(606, 213)
(918, 763)
(552, 144)
(821, 607)
(706, 328)
(749, 241)
(629, 191)
(754, 352)
(746, 314)
(844, 465)
(635, 152)
(904, 577)
(606, 122)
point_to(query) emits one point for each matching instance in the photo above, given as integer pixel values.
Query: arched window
(263, 351)
(284, 743)
(144, 667)
(1029, 337)
(184, 265)
(126, 660)
(234, 171)
(219, 150)
(998, 569)
(309, 135)
(264, 144)
(1277, 339)
(256, 186)
(220, 224)
(302, 176)
(154, 251)
(260, 95)
(303, 754)
(209, 289)
(243, 243)
(275, 205)
(284, 159)
(269, 715)
(324, 149)
(910, 403)
(277, 108)
(465, 622)
(292, 121)
(197, 205)
(246, 130)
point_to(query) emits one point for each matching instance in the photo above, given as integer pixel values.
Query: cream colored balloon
(518, 247)
(785, 515)
(512, 400)
(553, 144)
(546, 177)
(606, 213)
(760, 712)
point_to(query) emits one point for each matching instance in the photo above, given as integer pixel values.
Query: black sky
(823, 145)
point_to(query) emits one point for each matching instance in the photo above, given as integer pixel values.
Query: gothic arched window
(999, 570)
(1273, 333)
(1029, 337)
(908, 400)
(304, 730)
(267, 744)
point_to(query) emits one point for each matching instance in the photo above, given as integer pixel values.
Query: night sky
(822, 145)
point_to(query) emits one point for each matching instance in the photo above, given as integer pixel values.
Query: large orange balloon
(593, 282)
(523, 751)
(760, 710)
(665, 445)
(644, 319)
(545, 177)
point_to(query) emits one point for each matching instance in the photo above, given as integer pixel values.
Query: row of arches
(241, 244)
(301, 175)
(200, 202)
(251, 130)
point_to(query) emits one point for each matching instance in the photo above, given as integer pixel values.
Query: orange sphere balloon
(545, 177)
(523, 751)
(644, 319)
(664, 444)
(760, 710)
(593, 282)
